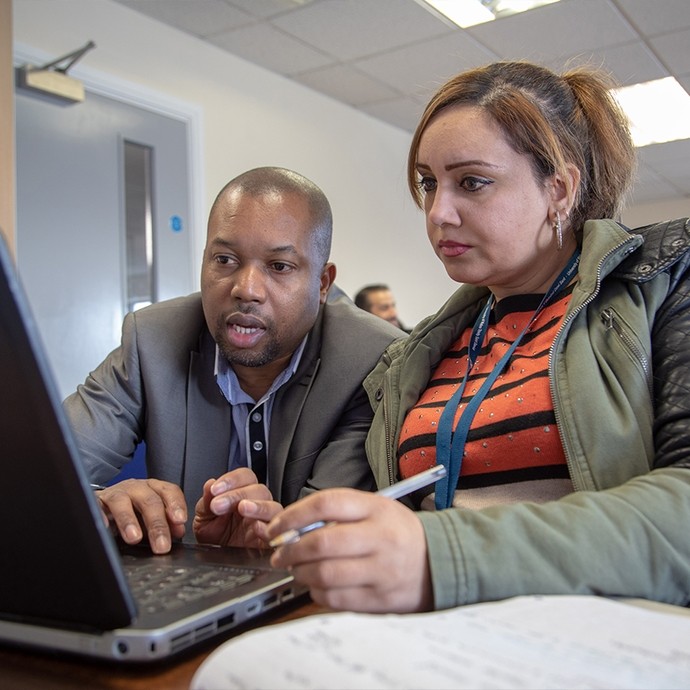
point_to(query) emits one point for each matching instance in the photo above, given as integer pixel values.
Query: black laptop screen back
(59, 564)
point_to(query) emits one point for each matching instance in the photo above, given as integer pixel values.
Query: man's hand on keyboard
(145, 507)
(233, 509)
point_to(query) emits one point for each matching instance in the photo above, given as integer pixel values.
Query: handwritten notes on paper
(526, 642)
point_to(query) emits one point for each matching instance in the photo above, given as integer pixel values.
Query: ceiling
(386, 57)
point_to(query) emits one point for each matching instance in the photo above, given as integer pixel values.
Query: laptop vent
(185, 639)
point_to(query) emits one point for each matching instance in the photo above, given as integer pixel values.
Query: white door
(76, 194)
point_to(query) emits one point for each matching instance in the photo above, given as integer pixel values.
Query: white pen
(394, 491)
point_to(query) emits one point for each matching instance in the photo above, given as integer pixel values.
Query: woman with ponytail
(554, 385)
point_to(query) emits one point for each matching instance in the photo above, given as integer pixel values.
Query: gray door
(72, 215)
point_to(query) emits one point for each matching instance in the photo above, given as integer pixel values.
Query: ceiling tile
(685, 83)
(629, 64)
(264, 45)
(656, 17)
(421, 68)
(669, 162)
(650, 186)
(201, 18)
(267, 8)
(401, 112)
(555, 31)
(351, 29)
(673, 50)
(671, 152)
(347, 84)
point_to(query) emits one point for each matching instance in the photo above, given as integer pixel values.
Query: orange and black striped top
(513, 437)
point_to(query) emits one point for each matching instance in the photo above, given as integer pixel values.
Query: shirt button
(257, 445)
(256, 416)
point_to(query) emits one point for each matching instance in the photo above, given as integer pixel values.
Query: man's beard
(247, 358)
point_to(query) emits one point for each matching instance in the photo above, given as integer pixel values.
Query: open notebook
(65, 582)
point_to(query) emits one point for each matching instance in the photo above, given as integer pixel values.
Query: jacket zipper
(386, 426)
(390, 451)
(608, 317)
(566, 321)
(389, 456)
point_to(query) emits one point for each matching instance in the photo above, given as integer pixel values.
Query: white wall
(252, 117)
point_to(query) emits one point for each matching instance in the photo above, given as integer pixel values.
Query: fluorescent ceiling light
(466, 13)
(658, 111)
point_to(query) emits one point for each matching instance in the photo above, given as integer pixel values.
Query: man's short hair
(268, 179)
(362, 297)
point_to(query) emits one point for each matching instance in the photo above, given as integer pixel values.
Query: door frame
(162, 104)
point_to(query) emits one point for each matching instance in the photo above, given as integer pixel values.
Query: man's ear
(327, 279)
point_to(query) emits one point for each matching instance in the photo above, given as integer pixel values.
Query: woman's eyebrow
(459, 164)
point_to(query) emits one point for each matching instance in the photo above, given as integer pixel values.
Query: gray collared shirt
(242, 405)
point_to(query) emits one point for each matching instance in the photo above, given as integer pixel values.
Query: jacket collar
(664, 244)
(605, 244)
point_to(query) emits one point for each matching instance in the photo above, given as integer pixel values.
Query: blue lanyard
(450, 445)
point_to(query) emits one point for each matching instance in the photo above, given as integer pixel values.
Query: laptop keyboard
(162, 587)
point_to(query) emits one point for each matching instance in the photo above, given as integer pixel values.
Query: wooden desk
(29, 670)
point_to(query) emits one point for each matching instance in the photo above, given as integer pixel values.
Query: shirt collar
(230, 385)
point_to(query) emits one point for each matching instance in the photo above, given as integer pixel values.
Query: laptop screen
(59, 561)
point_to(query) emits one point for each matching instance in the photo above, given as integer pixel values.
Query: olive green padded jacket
(620, 381)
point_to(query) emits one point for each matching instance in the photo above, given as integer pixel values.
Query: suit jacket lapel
(287, 408)
(208, 422)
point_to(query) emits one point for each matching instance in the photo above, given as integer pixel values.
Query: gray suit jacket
(158, 386)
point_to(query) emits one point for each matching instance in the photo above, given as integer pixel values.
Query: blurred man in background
(378, 299)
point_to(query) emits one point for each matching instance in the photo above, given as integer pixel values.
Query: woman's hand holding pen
(374, 558)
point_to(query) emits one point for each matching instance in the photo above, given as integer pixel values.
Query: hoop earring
(559, 231)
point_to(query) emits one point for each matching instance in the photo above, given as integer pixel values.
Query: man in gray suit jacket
(251, 389)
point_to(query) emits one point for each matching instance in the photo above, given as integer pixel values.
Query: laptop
(66, 583)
